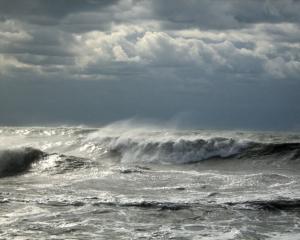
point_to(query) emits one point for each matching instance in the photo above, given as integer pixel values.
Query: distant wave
(16, 161)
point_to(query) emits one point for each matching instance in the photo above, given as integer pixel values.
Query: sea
(147, 182)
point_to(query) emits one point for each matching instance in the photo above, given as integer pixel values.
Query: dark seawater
(120, 182)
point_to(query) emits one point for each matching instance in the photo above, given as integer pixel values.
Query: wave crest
(183, 151)
(175, 151)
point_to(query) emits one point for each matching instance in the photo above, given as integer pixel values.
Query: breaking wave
(16, 161)
(59, 163)
(175, 151)
(184, 151)
(64, 150)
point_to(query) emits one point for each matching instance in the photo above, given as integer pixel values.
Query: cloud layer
(191, 48)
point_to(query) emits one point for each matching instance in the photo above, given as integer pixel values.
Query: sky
(194, 63)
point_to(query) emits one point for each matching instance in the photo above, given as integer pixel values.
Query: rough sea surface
(120, 182)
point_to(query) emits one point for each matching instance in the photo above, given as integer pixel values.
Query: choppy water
(120, 182)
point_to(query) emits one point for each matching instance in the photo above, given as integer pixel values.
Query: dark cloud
(270, 11)
(174, 14)
(225, 63)
(192, 13)
(50, 42)
(229, 14)
(44, 60)
(49, 11)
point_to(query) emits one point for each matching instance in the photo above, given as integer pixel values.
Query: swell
(277, 149)
(148, 205)
(270, 205)
(267, 205)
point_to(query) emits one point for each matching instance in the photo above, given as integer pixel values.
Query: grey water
(124, 182)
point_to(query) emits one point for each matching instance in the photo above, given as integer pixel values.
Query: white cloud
(160, 49)
(135, 33)
(9, 64)
(12, 31)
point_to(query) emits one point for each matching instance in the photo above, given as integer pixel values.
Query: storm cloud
(225, 64)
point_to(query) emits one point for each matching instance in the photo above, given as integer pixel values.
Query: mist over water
(135, 181)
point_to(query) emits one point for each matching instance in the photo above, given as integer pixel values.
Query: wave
(152, 145)
(267, 205)
(148, 204)
(16, 161)
(181, 151)
(59, 163)
(265, 149)
(175, 151)
(284, 204)
(86, 149)
(270, 205)
(184, 151)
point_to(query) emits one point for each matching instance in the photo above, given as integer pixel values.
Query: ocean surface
(124, 182)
